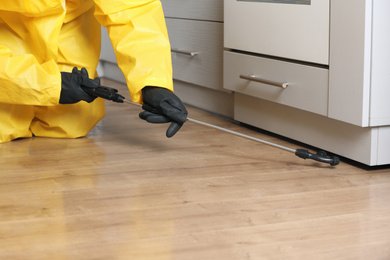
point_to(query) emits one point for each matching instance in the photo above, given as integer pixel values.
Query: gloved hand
(72, 83)
(163, 106)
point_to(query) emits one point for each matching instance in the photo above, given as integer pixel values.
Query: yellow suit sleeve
(29, 31)
(138, 33)
(23, 80)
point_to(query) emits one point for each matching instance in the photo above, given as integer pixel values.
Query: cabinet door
(350, 61)
(290, 30)
(380, 89)
(360, 62)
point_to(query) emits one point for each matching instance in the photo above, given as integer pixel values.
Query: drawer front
(210, 10)
(307, 87)
(204, 40)
(293, 31)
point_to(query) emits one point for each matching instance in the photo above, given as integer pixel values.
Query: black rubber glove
(163, 106)
(72, 86)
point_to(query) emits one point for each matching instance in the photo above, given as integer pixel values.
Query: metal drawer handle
(190, 53)
(268, 82)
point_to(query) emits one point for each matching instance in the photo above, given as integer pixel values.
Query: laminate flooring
(127, 192)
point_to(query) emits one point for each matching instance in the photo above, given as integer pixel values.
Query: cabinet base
(369, 146)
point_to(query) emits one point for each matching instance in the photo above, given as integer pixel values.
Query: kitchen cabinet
(333, 59)
(315, 71)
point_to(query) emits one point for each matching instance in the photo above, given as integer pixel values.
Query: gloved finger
(97, 81)
(150, 109)
(89, 83)
(173, 128)
(76, 75)
(89, 99)
(84, 72)
(153, 118)
(85, 96)
(143, 115)
(75, 70)
(85, 80)
(108, 89)
(176, 111)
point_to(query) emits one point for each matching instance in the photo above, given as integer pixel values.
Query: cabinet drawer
(205, 41)
(210, 10)
(307, 85)
(293, 31)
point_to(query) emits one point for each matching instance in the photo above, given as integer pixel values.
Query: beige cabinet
(315, 71)
(335, 63)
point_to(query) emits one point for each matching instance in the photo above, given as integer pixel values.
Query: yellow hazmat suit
(41, 38)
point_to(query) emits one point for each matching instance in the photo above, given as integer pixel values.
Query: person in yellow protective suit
(41, 43)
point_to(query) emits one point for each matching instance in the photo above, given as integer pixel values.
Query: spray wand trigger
(106, 93)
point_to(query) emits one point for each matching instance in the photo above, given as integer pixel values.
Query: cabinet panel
(293, 31)
(210, 10)
(350, 61)
(383, 145)
(204, 41)
(380, 90)
(307, 86)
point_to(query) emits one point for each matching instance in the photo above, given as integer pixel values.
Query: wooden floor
(128, 192)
